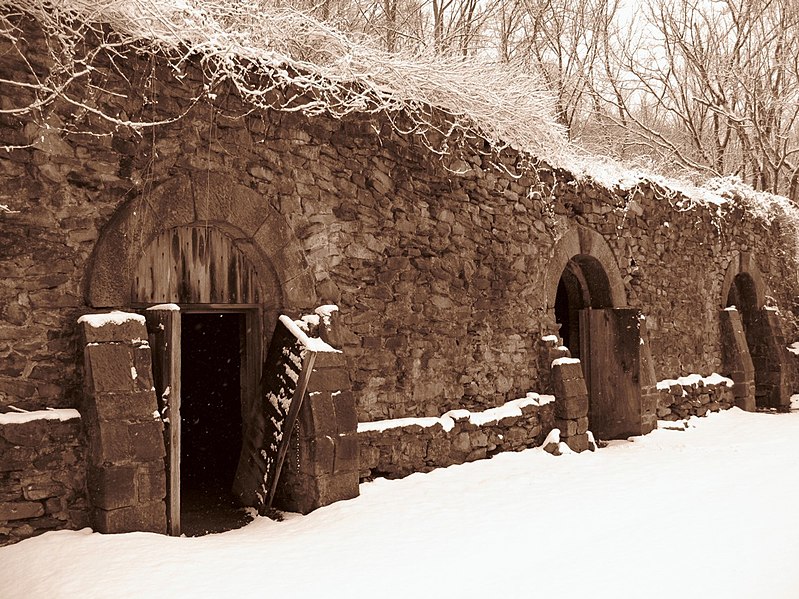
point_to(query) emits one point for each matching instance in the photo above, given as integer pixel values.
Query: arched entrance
(744, 289)
(583, 284)
(221, 265)
(586, 296)
(225, 314)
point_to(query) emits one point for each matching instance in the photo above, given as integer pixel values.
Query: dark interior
(210, 420)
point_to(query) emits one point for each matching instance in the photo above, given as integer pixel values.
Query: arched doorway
(745, 291)
(583, 284)
(585, 292)
(225, 311)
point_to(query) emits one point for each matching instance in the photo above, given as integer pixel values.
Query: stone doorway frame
(763, 346)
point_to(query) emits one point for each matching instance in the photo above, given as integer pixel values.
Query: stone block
(20, 510)
(151, 482)
(346, 454)
(109, 443)
(35, 491)
(16, 458)
(570, 388)
(571, 407)
(565, 372)
(29, 434)
(568, 428)
(109, 368)
(147, 440)
(578, 443)
(320, 457)
(136, 405)
(582, 425)
(112, 487)
(318, 415)
(124, 332)
(329, 379)
(150, 517)
(346, 415)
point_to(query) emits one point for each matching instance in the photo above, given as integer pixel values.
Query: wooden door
(163, 328)
(610, 342)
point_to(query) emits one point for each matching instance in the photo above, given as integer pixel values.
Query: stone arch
(582, 273)
(763, 345)
(180, 219)
(590, 249)
(743, 264)
(246, 217)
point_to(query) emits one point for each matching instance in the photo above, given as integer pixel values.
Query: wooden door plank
(163, 327)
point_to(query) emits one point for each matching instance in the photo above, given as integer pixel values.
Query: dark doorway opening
(743, 295)
(211, 426)
(583, 284)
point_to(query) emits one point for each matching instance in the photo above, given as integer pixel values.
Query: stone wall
(694, 395)
(440, 264)
(42, 473)
(397, 448)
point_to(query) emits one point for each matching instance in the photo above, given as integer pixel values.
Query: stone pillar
(571, 402)
(322, 464)
(550, 348)
(126, 477)
(773, 390)
(649, 382)
(736, 360)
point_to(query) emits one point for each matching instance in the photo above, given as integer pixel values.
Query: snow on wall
(49, 414)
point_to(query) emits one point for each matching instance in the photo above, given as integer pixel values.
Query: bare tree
(716, 90)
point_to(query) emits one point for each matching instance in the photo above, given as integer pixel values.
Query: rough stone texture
(398, 451)
(736, 360)
(680, 401)
(126, 477)
(446, 277)
(322, 465)
(42, 478)
(571, 404)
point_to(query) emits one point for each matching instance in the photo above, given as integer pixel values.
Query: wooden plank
(611, 357)
(194, 265)
(163, 327)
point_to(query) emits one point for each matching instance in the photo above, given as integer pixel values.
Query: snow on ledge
(561, 361)
(693, 379)
(115, 317)
(172, 307)
(61, 414)
(447, 420)
(794, 348)
(313, 344)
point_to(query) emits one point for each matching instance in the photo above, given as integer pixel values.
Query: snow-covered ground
(712, 511)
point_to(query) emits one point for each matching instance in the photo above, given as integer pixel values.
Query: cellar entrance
(211, 425)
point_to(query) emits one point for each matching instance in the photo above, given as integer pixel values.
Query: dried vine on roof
(288, 50)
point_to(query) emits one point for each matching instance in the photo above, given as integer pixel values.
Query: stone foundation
(42, 474)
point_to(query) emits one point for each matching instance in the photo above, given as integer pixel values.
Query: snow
(114, 317)
(447, 420)
(794, 348)
(561, 361)
(550, 338)
(693, 379)
(172, 307)
(674, 514)
(49, 414)
(313, 344)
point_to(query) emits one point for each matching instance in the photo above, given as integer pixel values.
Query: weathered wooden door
(163, 328)
(610, 342)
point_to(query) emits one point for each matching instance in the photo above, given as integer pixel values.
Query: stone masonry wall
(438, 263)
(397, 448)
(42, 474)
(694, 395)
